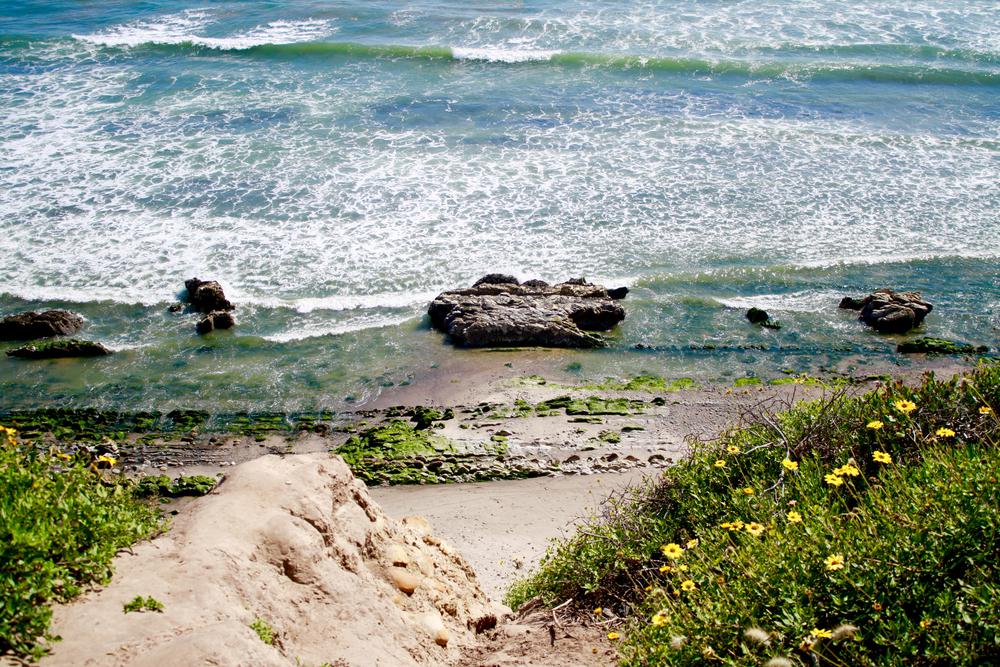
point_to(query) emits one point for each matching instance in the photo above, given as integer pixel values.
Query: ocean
(336, 164)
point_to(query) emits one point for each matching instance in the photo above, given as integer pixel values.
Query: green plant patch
(264, 631)
(747, 382)
(61, 524)
(139, 603)
(162, 486)
(855, 530)
(939, 346)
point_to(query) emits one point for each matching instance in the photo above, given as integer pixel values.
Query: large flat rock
(499, 311)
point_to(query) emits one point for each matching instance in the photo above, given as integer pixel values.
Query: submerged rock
(939, 346)
(758, 316)
(215, 320)
(888, 311)
(31, 325)
(206, 296)
(70, 347)
(498, 310)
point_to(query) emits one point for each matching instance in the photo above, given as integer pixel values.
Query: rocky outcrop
(206, 296)
(296, 543)
(32, 325)
(499, 311)
(216, 320)
(761, 317)
(888, 311)
(57, 349)
(939, 346)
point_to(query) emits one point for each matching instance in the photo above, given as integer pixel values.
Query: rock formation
(295, 543)
(888, 311)
(207, 297)
(498, 310)
(32, 325)
(57, 349)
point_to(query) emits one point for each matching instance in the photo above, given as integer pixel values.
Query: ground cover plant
(854, 530)
(63, 518)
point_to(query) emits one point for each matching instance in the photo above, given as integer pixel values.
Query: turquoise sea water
(336, 164)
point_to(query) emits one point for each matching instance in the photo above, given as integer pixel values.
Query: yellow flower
(665, 568)
(790, 465)
(834, 480)
(881, 457)
(682, 568)
(925, 623)
(904, 406)
(875, 425)
(104, 458)
(848, 470)
(985, 410)
(672, 550)
(613, 636)
(834, 562)
(734, 525)
(944, 433)
(733, 449)
(727, 525)
(597, 612)
(794, 517)
(691, 544)
(719, 464)
(755, 529)
(821, 634)
(687, 585)
(659, 619)
(748, 491)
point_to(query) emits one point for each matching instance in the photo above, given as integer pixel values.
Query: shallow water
(336, 164)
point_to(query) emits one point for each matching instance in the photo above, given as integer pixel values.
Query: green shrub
(852, 531)
(263, 630)
(139, 603)
(62, 521)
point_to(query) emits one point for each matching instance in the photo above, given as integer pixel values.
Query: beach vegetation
(877, 548)
(139, 603)
(63, 518)
(264, 631)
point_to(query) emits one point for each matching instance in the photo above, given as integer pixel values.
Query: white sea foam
(502, 54)
(185, 28)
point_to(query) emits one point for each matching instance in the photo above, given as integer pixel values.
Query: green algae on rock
(929, 345)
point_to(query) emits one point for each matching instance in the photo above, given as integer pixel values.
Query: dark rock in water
(207, 296)
(939, 346)
(496, 279)
(888, 311)
(850, 303)
(618, 293)
(497, 313)
(757, 316)
(31, 325)
(55, 349)
(576, 281)
(219, 319)
(175, 307)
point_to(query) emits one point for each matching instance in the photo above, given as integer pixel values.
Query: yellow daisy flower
(665, 568)
(985, 410)
(875, 425)
(733, 449)
(597, 612)
(790, 465)
(755, 529)
(794, 517)
(905, 406)
(834, 562)
(687, 585)
(821, 634)
(719, 464)
(691, 544)
(944, 433)
(659, 619)
(613, 636)
(881, 457)
(672, 550)
(748, 491)
(834, 480)
(848, 470)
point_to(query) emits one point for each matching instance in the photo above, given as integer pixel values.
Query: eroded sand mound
(294, 541)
